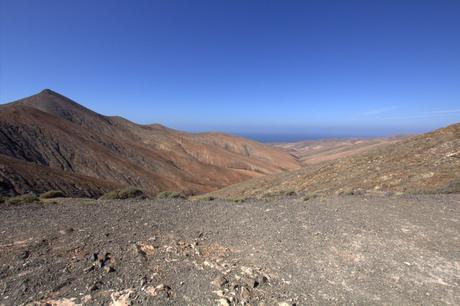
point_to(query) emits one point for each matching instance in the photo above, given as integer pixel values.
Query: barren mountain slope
(429, 163)
(51, 130)
(23, 176)
(315, 151)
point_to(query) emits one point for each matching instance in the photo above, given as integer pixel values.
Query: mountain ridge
(427, 163)
(54, 131)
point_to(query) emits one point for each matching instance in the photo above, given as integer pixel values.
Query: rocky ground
(361, 250)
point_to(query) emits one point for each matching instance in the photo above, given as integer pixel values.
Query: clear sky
(308, 68)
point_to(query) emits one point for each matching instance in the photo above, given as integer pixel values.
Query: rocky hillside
(429, 163)
(48, 140)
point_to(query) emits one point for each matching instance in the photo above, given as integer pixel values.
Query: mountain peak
(51, 93)
(48, 91)
(55, 104)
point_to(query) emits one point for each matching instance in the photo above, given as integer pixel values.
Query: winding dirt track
(340, 250)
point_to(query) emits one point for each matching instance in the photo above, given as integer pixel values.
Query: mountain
(428, 163)
(49, 141)
(315, 151)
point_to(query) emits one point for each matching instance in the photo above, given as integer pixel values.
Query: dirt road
(341, 250)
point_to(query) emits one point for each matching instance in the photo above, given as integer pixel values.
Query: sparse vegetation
(351, 191)
(205, 198)
(289, 193)
(170, 195)
(267, 195)
(124, 193)
(282, 193)
(52, 194)
(346, 192)
(452, 187)
(310, 196)
(23, 199)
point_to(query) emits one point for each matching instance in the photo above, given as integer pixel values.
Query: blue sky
(307, 68)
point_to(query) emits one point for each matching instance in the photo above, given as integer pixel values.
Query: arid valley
(328, 222)
(229, 153)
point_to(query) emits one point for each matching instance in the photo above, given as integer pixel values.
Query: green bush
(23, 199)
(170, 195)
(123, 194)
(52, 194)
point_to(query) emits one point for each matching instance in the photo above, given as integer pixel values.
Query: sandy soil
(340, 250)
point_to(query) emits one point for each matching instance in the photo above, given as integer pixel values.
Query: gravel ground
(357, 250)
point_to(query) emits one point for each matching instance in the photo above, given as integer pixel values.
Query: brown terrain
(48, 141)
(339, 250)
(428, 163)
(373, 222)
(315, 151)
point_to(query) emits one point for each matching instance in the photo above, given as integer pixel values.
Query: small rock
(100, 263)
(95, 286)
(247, 271)
(223, 302)
(24, 287)
(24, 254)
(234, 286)
(262, 279)
(245, 294)
(219, 293)
(144, 281)
(93, 257)
(67, 231)
(161, 289)
(219, 282)
(250, 282)
(122, 298)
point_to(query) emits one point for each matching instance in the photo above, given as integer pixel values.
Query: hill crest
(50, 130)
(427, 163)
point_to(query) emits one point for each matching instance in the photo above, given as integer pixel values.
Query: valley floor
(365, 250)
